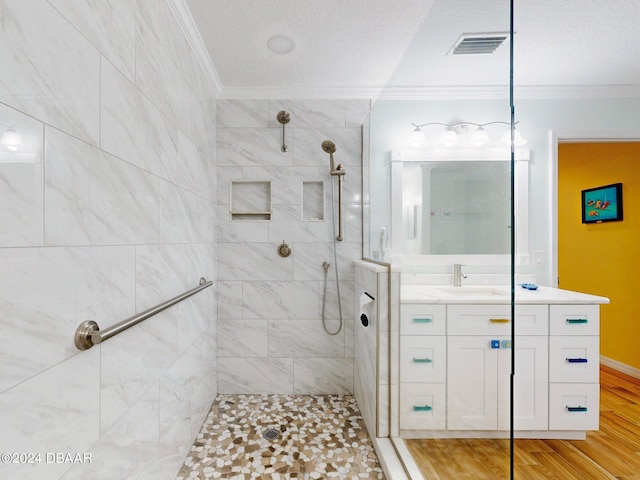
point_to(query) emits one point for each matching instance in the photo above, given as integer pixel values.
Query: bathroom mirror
(448, 203)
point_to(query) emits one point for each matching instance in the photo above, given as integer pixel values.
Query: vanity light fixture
(11, 140)
(455, 131)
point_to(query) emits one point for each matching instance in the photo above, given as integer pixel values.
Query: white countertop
(493, 294)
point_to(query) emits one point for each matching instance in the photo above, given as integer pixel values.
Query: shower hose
(326, 266)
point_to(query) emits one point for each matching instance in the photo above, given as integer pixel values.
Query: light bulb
(449, 138)
(417, 138)
(12, 140)
(480, 137)
(518, 141)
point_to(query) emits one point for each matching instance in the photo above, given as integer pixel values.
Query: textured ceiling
(358, 46)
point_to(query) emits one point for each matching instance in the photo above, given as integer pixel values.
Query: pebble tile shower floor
(319, 436)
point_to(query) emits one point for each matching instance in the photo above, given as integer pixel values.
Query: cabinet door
(531, 388)
(472, 383)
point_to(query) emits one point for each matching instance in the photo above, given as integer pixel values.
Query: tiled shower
(120, 200)
(271, 339)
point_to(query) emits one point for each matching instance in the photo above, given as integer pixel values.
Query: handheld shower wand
(335, 171)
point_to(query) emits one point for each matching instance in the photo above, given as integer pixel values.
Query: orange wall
(603, 259)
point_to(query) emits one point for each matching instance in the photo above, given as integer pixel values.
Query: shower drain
(271, 434)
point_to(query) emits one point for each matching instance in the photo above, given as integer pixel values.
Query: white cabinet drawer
(423, 358)
(496, 320)
(574, 319)
(574, 359)
(574, 406)
(422, 319)
(422, 406)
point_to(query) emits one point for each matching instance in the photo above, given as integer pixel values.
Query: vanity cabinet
(455, 363)
(478, 383)
(479, 361)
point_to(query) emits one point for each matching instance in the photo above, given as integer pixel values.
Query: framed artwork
(602, 204)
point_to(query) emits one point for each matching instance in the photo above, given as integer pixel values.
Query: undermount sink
(473, 290)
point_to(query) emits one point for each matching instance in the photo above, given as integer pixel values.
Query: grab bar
(89, 334)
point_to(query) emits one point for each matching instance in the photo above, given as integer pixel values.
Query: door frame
(555, 138)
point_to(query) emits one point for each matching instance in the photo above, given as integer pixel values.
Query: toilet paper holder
(364, 319)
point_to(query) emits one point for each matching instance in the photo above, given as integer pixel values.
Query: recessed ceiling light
(281, 44)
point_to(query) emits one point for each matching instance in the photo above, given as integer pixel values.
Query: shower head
(329, 147)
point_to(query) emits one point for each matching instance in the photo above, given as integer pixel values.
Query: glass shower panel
(438, 194)
(558, 332)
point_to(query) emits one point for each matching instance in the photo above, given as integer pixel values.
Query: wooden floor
(613, 452)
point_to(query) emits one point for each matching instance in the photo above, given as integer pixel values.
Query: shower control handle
(284, 250)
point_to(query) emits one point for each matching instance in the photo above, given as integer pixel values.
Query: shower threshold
(282, 437)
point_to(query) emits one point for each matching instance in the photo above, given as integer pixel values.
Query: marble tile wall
(108, 208)
(271, 338)
(371, 357)
(365, 346)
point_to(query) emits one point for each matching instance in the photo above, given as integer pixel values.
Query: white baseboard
(619, 366)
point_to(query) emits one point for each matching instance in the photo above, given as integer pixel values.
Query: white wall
(597, 118)
(271, 338)
(105, 212)
(583, 118)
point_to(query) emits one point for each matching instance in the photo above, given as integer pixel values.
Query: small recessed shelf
(250, 200)
(313, 201)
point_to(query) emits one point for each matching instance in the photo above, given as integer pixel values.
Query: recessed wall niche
(250, 200)
(313, 201)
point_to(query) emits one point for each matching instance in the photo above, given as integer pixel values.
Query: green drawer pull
(422, 320)
(577, 320)
(576, 409)
(422, 408)
(422, 360)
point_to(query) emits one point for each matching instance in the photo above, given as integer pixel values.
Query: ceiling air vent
(473, 43)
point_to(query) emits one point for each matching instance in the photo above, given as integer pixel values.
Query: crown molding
(474, 92)
(470, 92)
(532, 92)
(577, 91)
(279, 93)
(187, 25)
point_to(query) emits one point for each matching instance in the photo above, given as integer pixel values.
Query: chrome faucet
(458, 275)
